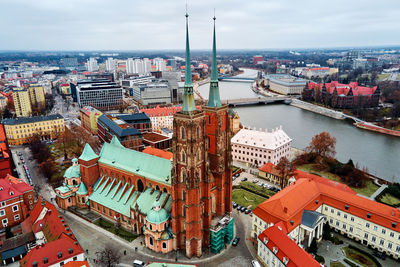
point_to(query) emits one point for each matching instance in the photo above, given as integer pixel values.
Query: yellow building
(36, 95)
(89, 116)
(235, 122)
(22, 102)
(19, 130)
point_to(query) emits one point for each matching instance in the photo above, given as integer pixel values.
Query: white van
(138, 263)
(255, 263)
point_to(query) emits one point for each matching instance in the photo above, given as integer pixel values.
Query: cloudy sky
(159, 24)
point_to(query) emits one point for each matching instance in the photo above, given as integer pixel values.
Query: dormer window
(265, 240)
(346, 207)
(11, 193)
(369, 215)
(275, 250)
(394, 224)
(285, 260)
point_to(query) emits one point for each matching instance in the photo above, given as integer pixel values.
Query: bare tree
(109, 256)
(285, 169)
(323, 145)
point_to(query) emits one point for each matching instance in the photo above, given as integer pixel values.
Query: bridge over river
(256, 101)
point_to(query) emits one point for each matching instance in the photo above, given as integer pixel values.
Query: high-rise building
(103, 96)
(159, 63)
(36, 95)
(22, 102)
(201, 176)
(110, 64)
(91, 64)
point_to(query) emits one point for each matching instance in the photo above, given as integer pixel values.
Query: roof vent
(34, 264)
(69, 234)
(291, 222)
(67, 229)
(59, 255)
(394, 224)
(70, 250)
(1, 188)
(45, 260)
(76, 243)
(11, 193)
(316, 201)
(346, 207)
(369, 215)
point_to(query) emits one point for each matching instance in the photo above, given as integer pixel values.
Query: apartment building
(89, 116)
(19, 130)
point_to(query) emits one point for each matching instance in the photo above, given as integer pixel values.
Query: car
(255, 181)
(20, 158)
(244, 179)
(235, 241)
(233, 178)
(138, 263)
(239, 207)
(266, 186)
(243, 209)
(234, 205)
(261, 184)
(255, 263)
(30, 158)
(237, 175)
(247, 211)
(23, 161)
(379, 255)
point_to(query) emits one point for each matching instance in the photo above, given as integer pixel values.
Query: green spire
(188, 97)
(213, 97)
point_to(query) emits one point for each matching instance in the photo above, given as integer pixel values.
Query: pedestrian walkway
(377, 192)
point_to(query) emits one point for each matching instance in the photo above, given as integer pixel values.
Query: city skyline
(130, 25)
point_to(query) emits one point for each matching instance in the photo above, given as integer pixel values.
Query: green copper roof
(142, 164)
(63, 189)
(73, 172)
(213, 98)
(188, 97)
(82, 190)
(157, 217)
(113, 195)
(88, 153)
(146, 199)
(115, 141)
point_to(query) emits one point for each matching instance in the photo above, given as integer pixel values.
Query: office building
(20, 130)
(91, 64)
(102, 96)
(160, 64)
(285, 84)
(259, 147)
(154, 93)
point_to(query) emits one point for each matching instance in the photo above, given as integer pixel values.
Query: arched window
(151, 241)
(198, 155)
(140, 185)
(183, 156)
(198, 132)
(151, 227)
(157, 188)
(164, 245)
(74, 182)
(183, 135)
(165, 190)
(183, 175)
(212, 203)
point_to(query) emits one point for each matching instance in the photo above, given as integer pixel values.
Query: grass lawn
(246, 199)
(109, 226)
(368, 189)
(337, 264)
(390, 200)
(257, 189)
(358, 257)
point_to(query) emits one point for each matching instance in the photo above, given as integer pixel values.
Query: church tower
(190, 182)
(219, 150)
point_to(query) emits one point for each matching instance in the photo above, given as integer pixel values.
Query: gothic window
(183, 175)
(151, 241)
(164, 245)
(183, 195)
(157, 188)
(198, 155)
(183, 135)
(165, 190)
(183, 156)
(140, 185)
(198, 132)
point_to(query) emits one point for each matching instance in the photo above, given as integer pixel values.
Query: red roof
(286, 248)
(343, 89)
(67, 246)
(163, 111)
(158, 153)
(12, 188)
(308, 193)
(76, 264)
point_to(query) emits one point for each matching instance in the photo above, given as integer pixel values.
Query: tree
(323, 145)
(47, 167)
(9, 233)
(326, 234)
(285, 170)
(109, 256)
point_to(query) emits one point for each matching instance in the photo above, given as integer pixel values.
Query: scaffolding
(221, 234)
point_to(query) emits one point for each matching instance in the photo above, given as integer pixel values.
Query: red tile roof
(307, 193)
(67, 246)
(287, 248)
(76, 264)
(344, 88)
(163, 111)
(10, 190)
(158, 153)
(18, 183)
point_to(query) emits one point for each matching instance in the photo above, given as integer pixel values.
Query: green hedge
(366, 254)
(256, 189)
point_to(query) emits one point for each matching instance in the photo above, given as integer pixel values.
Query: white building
(92, 65)
(110, 64)
(259, 147)
(159, 63)
(285, 84)
(138, 66)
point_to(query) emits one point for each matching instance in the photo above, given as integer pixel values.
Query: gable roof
(13, 188)
(344, 89)
(88, 153)
(286, 248)
(141, 164)
(158, 153)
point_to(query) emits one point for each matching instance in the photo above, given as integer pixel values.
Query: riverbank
(375, 128)
(318, 109)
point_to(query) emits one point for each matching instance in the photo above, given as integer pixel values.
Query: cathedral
(180, 205)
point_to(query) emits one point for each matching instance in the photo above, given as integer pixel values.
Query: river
(378, 152)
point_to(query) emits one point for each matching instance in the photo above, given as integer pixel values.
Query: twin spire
(188, 97)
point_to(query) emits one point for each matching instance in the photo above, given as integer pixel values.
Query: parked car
(234, 204)
(247, 211)
(239, 207)
(237, 175)
(243, 209)
(266, 186)
(379, 255)
(235, 241)
(255, 263)
(244, 179)
(138, 263)
(255, 181)
(20, 158)
(233, 178)
(30, 158)
(261, 184)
